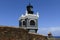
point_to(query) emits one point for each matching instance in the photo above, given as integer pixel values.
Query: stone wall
(33, 36)
(12, 33)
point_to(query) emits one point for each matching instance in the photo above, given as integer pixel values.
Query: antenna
(29, 2)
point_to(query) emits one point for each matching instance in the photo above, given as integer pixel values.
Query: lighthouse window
(24, 23)
(32, 22)
(20, 23)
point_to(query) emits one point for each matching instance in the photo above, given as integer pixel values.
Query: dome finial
(26, 12)
(37, 14)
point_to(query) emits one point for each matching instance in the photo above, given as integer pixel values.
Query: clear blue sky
(49, 11)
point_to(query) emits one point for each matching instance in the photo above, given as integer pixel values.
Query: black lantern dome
(29, 9)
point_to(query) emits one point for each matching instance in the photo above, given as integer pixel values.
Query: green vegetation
(51, 38)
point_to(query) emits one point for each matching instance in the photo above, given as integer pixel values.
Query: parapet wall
(12, 33)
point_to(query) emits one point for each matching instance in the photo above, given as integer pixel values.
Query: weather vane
(29, 2)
